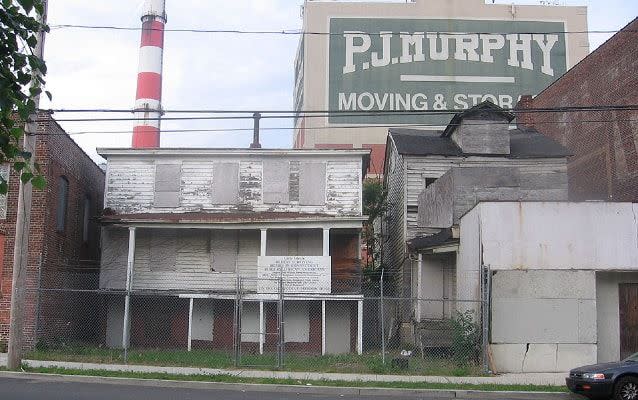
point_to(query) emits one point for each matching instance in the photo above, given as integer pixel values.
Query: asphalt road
(27, 389)
(32, 387)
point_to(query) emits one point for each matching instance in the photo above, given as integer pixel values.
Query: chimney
(523, 119)
(148, 99)
(255, 144)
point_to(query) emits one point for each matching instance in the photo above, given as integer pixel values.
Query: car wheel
(626, 389)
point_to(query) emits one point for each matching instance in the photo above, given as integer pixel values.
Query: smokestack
(148, 99)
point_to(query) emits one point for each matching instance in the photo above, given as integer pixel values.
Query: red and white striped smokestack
(148, 100)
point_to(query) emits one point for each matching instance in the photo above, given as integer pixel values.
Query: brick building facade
(604, 143)
(63, 241)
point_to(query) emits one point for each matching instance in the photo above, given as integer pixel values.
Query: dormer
(482, 129)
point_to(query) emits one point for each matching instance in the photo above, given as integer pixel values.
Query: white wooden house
(188, 231)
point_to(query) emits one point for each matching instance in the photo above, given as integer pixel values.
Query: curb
(528, 379)
(316, 390)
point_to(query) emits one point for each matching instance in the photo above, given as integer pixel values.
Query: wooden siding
(192, 268)
(419, 168)
(130, 185)
(394, 219)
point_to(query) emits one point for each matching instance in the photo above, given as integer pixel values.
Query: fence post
(280, 358)
(485, 315)
(237, 321)
(381, 307)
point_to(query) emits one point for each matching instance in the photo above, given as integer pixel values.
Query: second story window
(86, 217)
(312, 184)
(225, 183)
(63, 198)
(276, 182)
(167, 184)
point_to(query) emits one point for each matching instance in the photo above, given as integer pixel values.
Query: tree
(21, 81)
(374, 205)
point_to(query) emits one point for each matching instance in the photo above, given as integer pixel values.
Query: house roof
(423, 242)
(524, 143)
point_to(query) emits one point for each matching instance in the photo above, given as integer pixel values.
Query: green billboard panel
(413, 65)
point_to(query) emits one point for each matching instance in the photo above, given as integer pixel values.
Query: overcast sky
(98, 68)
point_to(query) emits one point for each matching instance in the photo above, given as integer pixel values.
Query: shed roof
(524, 143)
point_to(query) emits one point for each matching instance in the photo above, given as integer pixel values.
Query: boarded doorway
(628, 310)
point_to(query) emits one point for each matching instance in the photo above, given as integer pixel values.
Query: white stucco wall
(559, 235)
(549, 310)
(468, 264)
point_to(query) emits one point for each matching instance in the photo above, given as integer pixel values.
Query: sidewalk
(552, 379)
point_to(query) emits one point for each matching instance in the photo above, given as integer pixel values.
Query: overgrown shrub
(466, 338)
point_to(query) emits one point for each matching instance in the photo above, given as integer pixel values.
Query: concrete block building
(63, 237)
(564, 281)
(203, 239)
(490, 227)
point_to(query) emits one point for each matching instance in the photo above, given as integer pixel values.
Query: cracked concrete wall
(543, 320)
(549, 313)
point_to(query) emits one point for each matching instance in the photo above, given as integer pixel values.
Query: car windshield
(632, 358)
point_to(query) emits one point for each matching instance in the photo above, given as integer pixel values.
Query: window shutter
(167, 185)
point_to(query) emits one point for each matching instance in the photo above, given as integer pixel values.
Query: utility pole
(23, 221)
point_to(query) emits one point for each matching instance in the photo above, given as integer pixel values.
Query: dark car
(617, 379)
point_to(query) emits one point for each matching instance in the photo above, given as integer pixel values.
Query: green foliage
(20, 82)
(466, 339)
(374, 205)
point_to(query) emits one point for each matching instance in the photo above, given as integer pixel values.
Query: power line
(222, 130)
(324, 114)
(289, 32)
(597, 107)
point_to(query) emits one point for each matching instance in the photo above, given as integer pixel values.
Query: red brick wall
(58, 155)
(604, 143)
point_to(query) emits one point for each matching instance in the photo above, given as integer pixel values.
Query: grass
(234, 379)
(370, 363)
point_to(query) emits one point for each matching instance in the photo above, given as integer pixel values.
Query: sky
(97, 69)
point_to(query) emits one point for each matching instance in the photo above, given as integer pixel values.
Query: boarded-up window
(223, 251)
(312, 184)
(63, 199)
(225, 183)
(4, 173)
(276, 182)
(167, 184)
(163, 250)
(86, 218)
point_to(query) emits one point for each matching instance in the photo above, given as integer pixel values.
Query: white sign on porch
(301, 274)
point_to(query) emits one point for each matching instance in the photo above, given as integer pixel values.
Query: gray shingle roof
(524, 143)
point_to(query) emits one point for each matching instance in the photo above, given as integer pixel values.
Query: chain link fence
(362, 331)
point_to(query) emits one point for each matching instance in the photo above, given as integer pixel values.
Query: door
(628, 310)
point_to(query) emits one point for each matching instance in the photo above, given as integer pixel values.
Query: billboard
(414, 65)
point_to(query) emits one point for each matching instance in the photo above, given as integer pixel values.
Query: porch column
(360, 327)
(261, 327)
(126, 327)
(326, 242)
(190, 323)
(323, 327)
(419, 283)
(262, 324)
(262, 249)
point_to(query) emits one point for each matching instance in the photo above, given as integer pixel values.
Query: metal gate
(259, 324)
